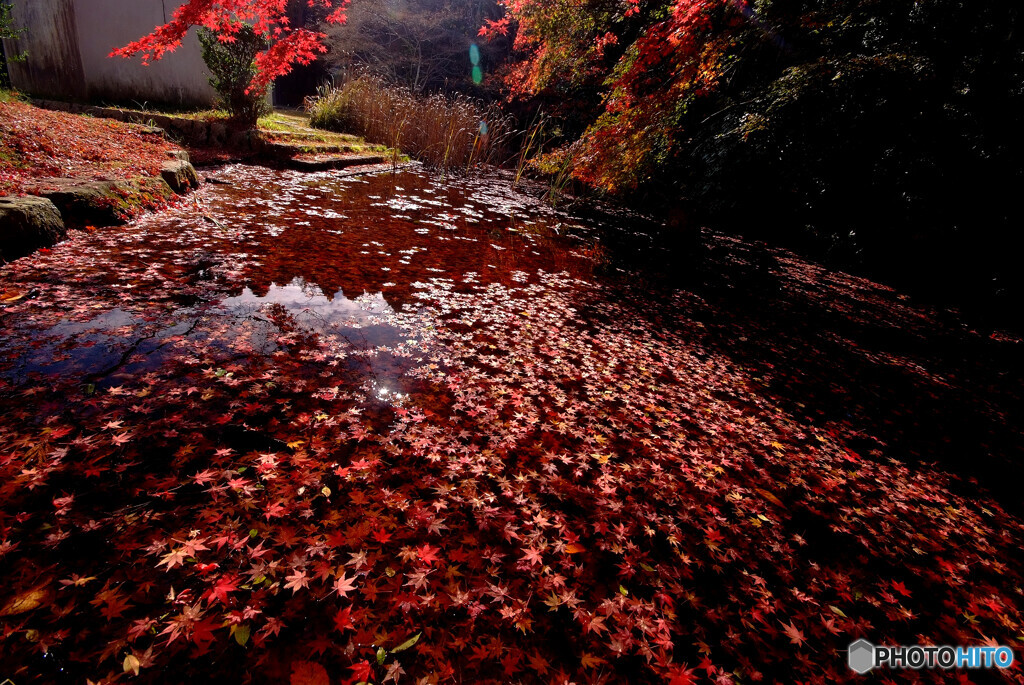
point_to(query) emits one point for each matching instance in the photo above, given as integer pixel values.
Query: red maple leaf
(343, 620)
(679, 674)
(794, 635)
(308, 673)
(361, 672)
(427, 554)
(343, 585)
(533, 556)
(221, 588)
(296, 581)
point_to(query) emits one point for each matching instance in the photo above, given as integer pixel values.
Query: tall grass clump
(450, 133)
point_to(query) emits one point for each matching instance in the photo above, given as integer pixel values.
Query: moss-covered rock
(180, 175)
(85, 203)
(103, 203)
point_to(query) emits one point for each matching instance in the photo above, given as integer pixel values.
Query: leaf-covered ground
(37, 144)
(318, 429)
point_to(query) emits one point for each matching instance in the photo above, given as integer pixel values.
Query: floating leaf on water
(408, 643)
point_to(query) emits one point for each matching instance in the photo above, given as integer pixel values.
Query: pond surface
(299, 420)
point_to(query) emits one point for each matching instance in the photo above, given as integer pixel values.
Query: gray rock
(178, 154)
(183, 128)
(26, 224)
(180, 176)
(161, 120)
(200, 132)
(86, 203)
(327, 162)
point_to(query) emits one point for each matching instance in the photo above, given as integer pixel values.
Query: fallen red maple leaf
(795, 636)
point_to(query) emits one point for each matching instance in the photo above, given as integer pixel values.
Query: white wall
(104, 25)
(53, 66)
(69, 42)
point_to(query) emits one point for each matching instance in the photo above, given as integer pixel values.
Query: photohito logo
(862, 656)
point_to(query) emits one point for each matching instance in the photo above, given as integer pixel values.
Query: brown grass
(447, 133)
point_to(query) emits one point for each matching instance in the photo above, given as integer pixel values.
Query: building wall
(69, 42)
(54, 66)
(104, 25)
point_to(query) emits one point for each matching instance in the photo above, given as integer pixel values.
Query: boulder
(26, 224)
(85, 203)
(180, 175)
(102, 203)
(238, 140)
(179, 155)
(200, 132)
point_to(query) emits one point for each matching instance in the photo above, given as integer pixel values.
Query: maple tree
(847, 127)
(286, 44)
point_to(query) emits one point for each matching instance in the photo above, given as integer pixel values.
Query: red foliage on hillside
(37, 144)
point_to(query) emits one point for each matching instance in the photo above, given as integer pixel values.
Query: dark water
(346, 258)
(544, 443)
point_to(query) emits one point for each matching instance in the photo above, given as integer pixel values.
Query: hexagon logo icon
(861, 656)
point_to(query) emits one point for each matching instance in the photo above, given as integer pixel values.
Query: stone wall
(69, 41)
(178, 128)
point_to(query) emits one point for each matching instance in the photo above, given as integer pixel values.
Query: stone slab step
(310, 135)
(326, 162)
(287, 150)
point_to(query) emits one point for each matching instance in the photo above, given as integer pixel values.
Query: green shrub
(232, 67)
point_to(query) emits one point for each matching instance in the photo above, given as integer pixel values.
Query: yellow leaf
(408, 643)
(241, 634)
(131, 663)
(770, 497)
(25, 602)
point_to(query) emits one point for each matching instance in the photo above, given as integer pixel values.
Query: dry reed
(447, 133)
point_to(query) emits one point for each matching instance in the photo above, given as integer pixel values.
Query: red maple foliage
(289, 44)
(37, 144)
(648, 60)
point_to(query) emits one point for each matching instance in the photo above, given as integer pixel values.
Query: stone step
(310, 135)
(289, 150)
(326, 162)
